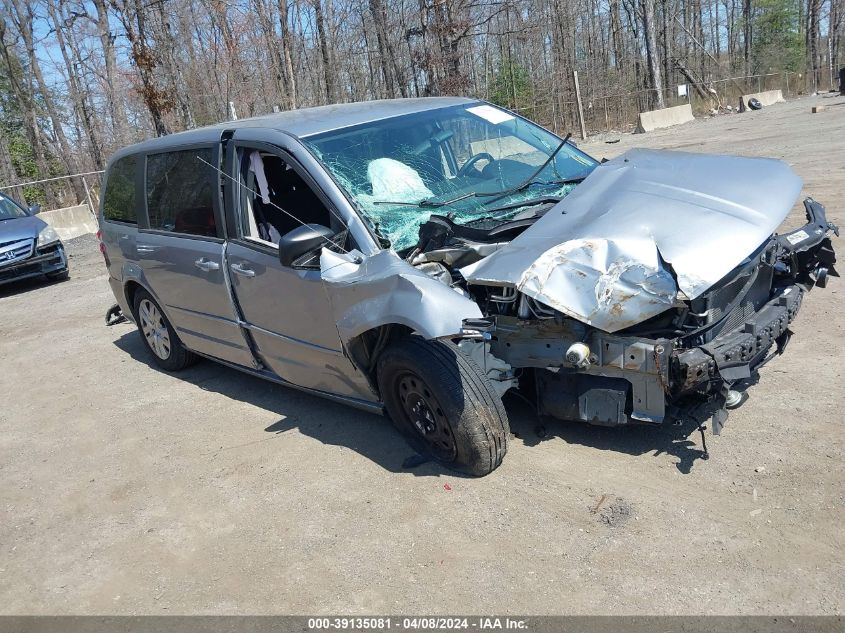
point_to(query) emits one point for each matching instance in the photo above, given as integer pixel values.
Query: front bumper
(734, 356)
(48, 259)
(805, 259)
(631, 379)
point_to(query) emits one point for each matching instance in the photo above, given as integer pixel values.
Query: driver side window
(274, 198)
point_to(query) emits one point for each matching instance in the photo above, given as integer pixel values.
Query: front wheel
(444, 404)
(159, 336)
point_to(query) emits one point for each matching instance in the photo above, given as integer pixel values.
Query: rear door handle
(207, 265)
(146, 248)
(241, 269)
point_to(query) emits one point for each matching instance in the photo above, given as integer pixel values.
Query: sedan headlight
(47, 236)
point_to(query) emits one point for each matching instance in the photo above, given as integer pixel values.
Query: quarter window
(179, 192)
(119, 199)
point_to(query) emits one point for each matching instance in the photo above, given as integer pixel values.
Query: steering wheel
(471, 162)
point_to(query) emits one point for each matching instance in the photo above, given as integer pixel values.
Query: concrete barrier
(667, 117)
(71, 222)
(767, 98)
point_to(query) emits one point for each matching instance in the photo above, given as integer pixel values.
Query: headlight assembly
(47, 236)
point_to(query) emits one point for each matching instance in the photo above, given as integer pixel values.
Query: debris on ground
(614, 514)
(598, 505)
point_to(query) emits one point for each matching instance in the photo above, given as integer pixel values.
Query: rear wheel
(444, 404)
(159, 336)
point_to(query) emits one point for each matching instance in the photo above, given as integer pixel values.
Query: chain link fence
(87, 184)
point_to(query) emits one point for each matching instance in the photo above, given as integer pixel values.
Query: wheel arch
(364, 349)
(130, 289)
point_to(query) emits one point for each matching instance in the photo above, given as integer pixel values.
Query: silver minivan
(422, 257)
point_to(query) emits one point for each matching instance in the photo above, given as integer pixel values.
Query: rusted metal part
(658, 351)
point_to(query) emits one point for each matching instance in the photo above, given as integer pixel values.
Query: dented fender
(368, 292)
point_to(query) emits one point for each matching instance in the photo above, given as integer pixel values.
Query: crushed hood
(640, 228)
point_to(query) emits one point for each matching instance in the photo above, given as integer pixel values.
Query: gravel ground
(127, 490)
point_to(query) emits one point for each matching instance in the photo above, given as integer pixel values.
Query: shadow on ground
(32, 284)
(374, 437)
(329, 422)
(681, 441)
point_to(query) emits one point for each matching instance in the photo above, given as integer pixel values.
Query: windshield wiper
(428, 203)
(497, 195)
(528, 203)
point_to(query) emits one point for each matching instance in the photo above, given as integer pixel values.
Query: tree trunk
(22, 89)
(78, 97)
(174, 67)
(379, 20)
(287, 60)
(24, 23)
(114, 103)
(747, 35)
(132, 16)
(655, 78)
(329, 71)
(813, 35)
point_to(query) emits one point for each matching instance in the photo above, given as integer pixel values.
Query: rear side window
(119, 199)
(179, 192)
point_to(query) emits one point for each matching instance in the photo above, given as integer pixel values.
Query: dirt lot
(126, 490)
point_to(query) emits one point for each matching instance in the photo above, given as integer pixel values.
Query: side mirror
(34, 209)
(302, 240)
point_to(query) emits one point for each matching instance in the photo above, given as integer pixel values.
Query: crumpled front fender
(368, 292)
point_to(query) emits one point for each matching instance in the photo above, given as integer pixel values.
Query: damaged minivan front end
(667, 298)
(655, 290)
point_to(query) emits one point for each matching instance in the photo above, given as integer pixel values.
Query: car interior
(275, 198)
(187, 208)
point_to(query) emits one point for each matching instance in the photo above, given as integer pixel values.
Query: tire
(444, 405)
(59, 276)
(754, 104)
(158, 335)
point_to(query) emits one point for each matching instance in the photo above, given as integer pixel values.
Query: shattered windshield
(468, 162)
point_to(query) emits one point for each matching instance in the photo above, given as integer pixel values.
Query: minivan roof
(303, 122)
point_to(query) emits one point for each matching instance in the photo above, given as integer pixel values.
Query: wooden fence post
(580, 107)
(91, 208)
